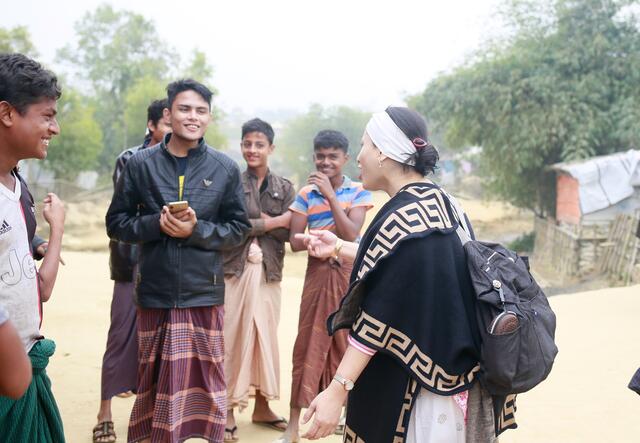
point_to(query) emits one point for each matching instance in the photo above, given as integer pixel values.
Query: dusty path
(77, 318)
(584, 400)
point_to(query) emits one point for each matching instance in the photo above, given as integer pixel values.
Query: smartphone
(178, 206)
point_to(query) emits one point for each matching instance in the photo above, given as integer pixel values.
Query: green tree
(137, 100)
(199, 68)
(124, 65)
(17, 39)
(294, 152)
(77, 147)
(563, 85)
(114, 50)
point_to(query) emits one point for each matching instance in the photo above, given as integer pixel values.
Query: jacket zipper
(176, 300)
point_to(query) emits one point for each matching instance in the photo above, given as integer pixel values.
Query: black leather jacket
(179, 273)
(123, 256)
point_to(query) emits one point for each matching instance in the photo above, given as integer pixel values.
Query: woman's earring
(379, 162)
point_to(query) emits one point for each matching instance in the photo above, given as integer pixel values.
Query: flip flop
(273, 424)
(231, 431)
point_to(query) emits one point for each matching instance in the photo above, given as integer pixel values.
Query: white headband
(390, 139)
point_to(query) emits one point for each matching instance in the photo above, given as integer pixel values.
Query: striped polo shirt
(315, 206)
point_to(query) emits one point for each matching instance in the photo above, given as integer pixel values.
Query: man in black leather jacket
(180, 284)
(119, 363)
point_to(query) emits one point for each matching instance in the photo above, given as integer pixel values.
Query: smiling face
(330, 161)
(31, 131)
(190, 115)
(256, 149)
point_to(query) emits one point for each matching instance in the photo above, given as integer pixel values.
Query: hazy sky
(273, 54)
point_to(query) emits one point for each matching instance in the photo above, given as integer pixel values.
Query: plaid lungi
(181, 387)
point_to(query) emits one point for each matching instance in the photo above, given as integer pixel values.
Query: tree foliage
(80, 141)
(199, 68)
(564, 84)
(17, 39)
(139, 95)
(113, 51)
(123, 64)
(294, 145)
(77, 147)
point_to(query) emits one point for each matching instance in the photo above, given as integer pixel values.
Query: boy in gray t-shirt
(28, 107)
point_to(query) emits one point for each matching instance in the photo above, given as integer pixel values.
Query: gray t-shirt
(18, 276)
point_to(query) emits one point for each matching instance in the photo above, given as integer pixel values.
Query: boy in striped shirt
(334, 202)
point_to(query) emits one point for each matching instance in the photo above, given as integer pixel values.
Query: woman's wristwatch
(345, 382)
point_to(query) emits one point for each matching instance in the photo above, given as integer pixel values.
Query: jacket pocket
(274, 204)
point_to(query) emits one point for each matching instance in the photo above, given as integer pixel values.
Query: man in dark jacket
(120, 361)
(180, 285)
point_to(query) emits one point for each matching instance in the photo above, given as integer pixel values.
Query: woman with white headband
(410, 371)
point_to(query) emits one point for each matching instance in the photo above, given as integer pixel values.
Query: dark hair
(328, 138)
(188, 84)
(257, 125)
(154, 111)
(24, 81)
(414, 126)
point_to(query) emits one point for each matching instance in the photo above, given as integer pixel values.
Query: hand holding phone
(178, 224)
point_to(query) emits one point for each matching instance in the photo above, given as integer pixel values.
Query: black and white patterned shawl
(411, 299)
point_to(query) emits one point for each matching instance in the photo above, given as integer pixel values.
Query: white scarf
(390, 139)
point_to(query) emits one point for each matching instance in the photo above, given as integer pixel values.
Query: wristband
(337, 248)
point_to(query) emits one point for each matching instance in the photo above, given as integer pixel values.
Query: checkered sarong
(181, 387)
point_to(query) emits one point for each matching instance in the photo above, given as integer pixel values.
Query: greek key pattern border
(350, 436)
(507, 417)
(405, 412)
(380, 335)
(429, 212)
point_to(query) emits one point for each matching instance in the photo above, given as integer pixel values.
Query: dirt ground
(77, 318)
(584, 400)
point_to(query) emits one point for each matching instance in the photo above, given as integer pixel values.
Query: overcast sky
(274, 54)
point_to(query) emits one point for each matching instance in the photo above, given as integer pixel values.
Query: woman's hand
(325, 410)
(320, 244)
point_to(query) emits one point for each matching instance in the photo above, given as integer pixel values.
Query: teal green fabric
(34, 418)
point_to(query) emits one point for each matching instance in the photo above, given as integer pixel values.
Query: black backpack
(516, 323)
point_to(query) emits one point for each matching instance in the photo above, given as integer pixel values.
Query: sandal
(104, 432)
(279, 425)
(230, 434)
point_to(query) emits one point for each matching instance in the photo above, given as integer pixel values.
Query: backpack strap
(463, 229)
